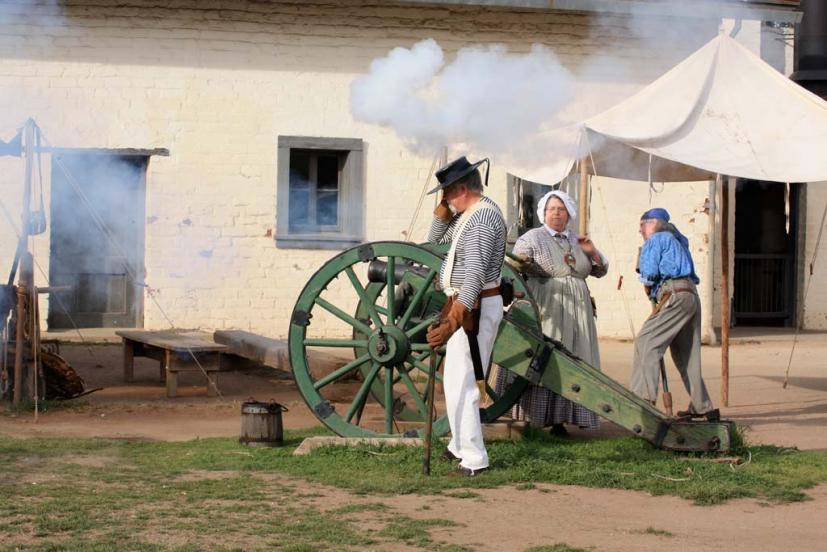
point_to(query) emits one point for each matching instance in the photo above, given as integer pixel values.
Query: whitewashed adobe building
(183, 117)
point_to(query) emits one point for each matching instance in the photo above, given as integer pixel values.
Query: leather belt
(490, 292)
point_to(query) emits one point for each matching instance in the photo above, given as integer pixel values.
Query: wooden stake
(429, 417)
(725, 291)
(583, 198)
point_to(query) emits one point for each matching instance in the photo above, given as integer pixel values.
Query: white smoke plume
(487, 98)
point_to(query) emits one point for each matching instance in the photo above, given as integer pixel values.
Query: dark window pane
(328, 172)
(299, 208)
(327, 208)
(299, 170)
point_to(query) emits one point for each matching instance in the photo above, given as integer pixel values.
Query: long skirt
(568, 317)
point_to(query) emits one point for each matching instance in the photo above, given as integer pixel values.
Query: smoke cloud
(487, 98)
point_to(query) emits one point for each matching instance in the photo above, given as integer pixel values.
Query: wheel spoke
(420, 293)
(362, 394)
(420, 404)
(389, 290)
(336, 374)
(389, 399)
(420, 347)
(342, 315)
(360, 291)
(421, 326)
(336, 342)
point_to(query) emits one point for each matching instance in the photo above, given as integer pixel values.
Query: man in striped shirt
(470, 277)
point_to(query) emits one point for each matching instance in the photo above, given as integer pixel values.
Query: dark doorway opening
(766, 222)
(97, 240)
(521, 212)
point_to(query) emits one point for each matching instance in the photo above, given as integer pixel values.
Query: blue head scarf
(662, 214)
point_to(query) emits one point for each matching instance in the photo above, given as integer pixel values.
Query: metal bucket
(261, 424)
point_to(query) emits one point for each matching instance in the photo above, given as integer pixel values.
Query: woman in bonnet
(557, 263)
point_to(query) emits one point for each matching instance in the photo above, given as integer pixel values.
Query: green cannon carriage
(378, 299)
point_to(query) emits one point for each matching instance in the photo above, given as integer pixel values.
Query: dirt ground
(609, 520)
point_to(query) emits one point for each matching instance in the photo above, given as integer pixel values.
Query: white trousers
(462, 397)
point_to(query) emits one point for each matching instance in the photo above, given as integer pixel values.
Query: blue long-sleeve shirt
(664, 258)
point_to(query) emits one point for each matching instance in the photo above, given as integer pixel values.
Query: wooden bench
(175, 351)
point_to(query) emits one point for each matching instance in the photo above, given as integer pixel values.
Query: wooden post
(19, 347)
(725, 291)
(429, 415)
(583, 198)
(26, 278)
(129, 360)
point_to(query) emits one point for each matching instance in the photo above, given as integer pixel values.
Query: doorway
(766, 223)
(97, 240)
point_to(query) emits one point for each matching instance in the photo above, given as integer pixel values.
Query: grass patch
(88, 494)
(359, 508)
(462, 493)
(414, 531)
(656, 532)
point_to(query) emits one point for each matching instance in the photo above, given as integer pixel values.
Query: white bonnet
(571, 206)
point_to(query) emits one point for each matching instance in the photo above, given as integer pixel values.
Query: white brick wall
(217, 84)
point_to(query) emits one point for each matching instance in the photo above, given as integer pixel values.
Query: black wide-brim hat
(456, 170)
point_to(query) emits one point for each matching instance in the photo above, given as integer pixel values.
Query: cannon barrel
(378, 271)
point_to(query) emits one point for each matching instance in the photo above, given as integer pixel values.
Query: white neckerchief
(449, 259)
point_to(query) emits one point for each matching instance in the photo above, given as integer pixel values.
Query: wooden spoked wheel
(379, 389)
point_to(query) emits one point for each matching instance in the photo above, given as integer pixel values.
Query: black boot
(558, 430)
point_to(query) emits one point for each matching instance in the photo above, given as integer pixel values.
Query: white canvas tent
(722, 110)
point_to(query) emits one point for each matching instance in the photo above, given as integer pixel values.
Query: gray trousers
(677, 325)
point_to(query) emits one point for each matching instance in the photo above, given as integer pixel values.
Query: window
(319, 193)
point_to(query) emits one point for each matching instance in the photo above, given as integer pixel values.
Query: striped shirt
(480, 251)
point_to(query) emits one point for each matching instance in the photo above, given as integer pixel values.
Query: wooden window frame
(349, 230)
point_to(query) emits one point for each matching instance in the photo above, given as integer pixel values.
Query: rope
(409, 234)
(804, 302)
(623, 298)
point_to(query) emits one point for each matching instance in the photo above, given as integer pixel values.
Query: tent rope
(623, 298)
(409, 232)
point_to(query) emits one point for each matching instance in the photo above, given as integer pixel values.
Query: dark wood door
(97, 240)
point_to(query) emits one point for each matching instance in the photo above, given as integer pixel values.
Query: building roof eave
(779, 11)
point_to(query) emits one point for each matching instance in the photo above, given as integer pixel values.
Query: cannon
(374, 302)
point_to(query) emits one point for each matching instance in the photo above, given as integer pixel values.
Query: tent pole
(725, 181)
(583, 198)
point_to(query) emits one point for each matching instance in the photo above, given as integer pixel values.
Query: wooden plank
(174, 341)
(264, 350)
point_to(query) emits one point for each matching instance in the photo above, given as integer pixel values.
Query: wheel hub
(388, 345)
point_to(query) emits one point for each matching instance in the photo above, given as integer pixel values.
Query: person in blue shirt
(668, 274)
